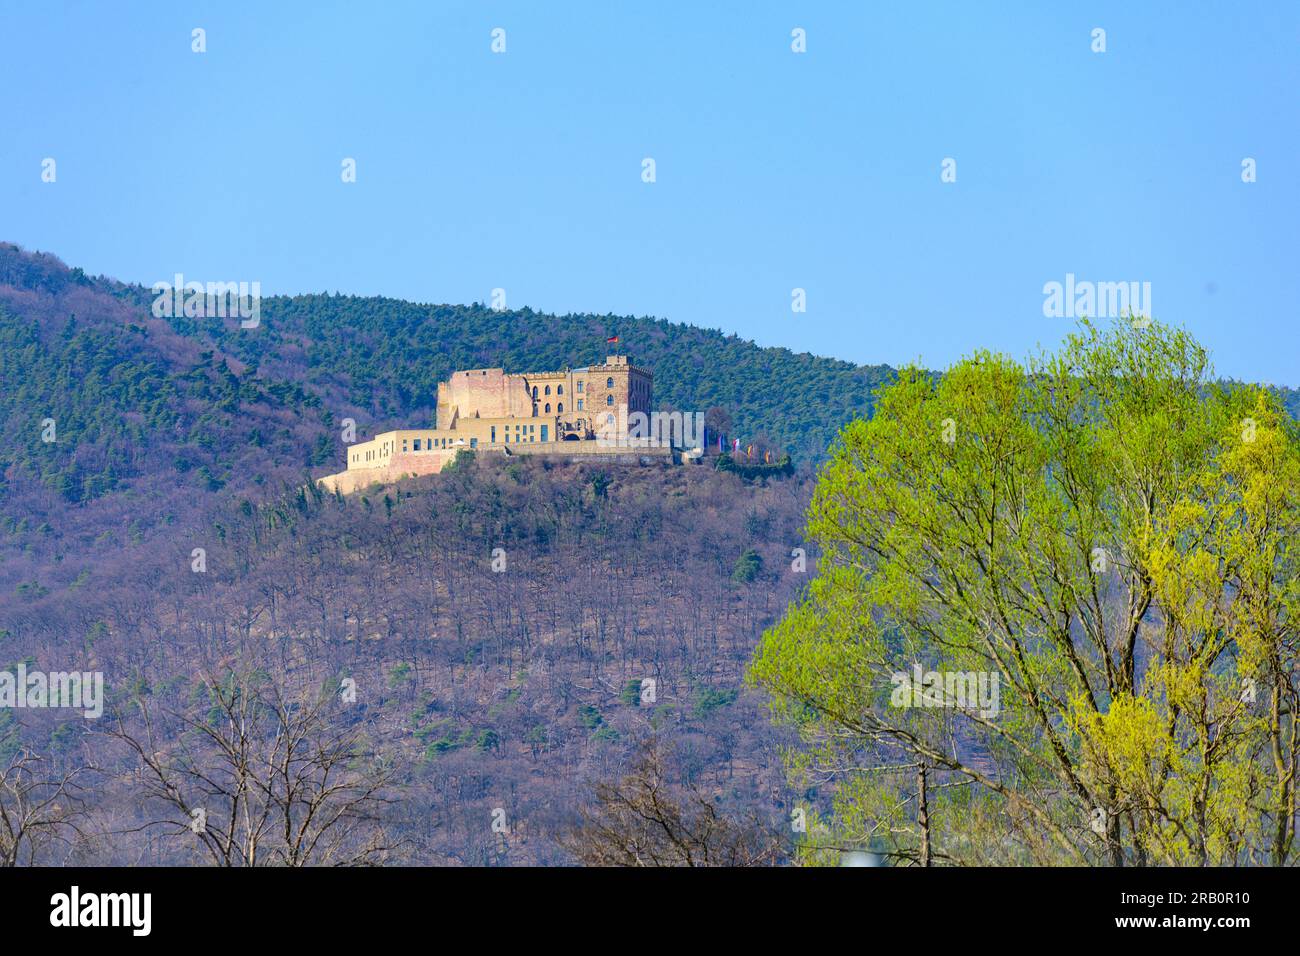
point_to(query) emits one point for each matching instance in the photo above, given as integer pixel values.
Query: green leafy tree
(1089, 560)
(748, 566)
(709, 699)
(322, 450)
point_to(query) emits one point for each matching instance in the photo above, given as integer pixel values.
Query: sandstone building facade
(570, 412)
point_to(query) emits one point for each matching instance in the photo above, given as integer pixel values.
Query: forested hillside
(207, 402)
(497, 624)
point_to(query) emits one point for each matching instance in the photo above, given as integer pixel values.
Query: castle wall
(401, 466)
(483, 393)
(413, 465)
(593, 450)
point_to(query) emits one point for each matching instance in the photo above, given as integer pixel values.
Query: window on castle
(548, 390)
(534, 409)
(560, 408)
(609, 383)
(534, 391)
(548, 408)
(417, 444)
(579, 404)
(609, 399)
(559, 390)
(580, 387)
(609, 419)
(494, 434)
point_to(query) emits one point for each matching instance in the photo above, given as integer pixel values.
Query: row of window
(559, 408)
(370, 454)
(429, 444)
(434, 444)
(523, 433)
(559, 389)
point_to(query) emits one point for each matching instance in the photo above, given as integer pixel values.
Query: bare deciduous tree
(645, 820)
(258, 778)
(37, 812)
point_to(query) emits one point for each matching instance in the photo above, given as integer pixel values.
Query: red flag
(611, 340)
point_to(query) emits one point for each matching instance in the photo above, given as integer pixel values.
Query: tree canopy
(1104, 538)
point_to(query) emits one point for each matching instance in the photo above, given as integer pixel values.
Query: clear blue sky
(775, 170)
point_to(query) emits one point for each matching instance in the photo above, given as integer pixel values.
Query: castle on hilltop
(576, 412)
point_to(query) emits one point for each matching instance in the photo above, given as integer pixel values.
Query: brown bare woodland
(646, 820)
(479, 689)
